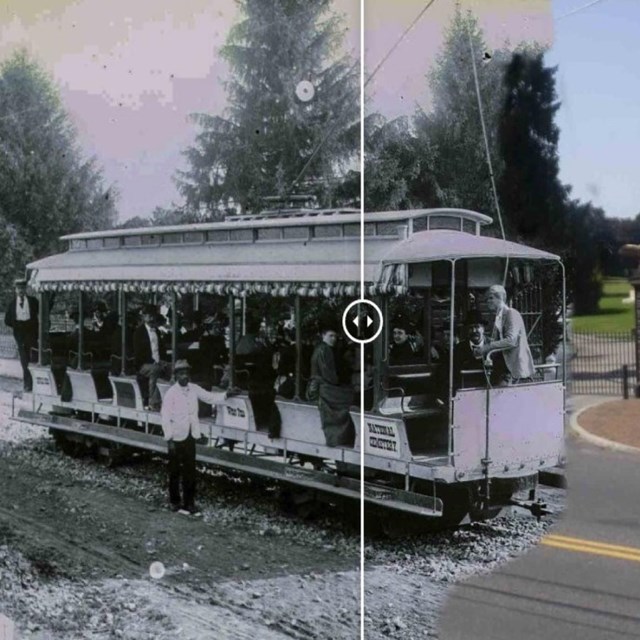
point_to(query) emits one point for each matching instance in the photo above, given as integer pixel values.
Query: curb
(598, 441)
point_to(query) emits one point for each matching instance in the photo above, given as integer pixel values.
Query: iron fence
(603, 363)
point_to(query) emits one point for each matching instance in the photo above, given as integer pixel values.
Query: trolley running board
(346, 487)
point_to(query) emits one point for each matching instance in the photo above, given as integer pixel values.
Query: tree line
(271, 140)
(47, 186)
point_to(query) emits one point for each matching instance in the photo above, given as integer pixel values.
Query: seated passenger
(149, 355)
(286, 365)
(250, 344)
(328, 388)
(513, 360)
(402, 351)
(253, 354)
(103, 324)
(73, 339)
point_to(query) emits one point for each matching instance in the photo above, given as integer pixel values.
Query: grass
(613, 315)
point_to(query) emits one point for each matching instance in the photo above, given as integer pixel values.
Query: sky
(597, 51)
(130, 73)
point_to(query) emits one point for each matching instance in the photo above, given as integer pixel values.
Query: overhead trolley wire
(578, 9)
(398, 41)
(369, 78)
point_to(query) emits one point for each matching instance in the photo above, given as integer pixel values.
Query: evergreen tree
(532, 196)
(267, 134)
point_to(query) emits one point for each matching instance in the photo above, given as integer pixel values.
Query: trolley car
(447, 458)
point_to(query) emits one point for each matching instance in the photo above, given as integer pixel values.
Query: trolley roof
(284, 250)
(446, 245)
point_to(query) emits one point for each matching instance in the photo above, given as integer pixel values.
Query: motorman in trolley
(181, 428)
(513, 361)
(466, 357)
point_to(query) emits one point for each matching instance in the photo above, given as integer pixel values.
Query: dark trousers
(182, 467)
(24, 353)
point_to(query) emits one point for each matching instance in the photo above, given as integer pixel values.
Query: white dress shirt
(180, 410)
(155, 346)
(497, 326)
(22, 310)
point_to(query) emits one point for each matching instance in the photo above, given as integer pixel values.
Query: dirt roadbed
(77, 540)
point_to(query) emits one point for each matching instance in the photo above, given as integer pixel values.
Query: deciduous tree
(47, 186)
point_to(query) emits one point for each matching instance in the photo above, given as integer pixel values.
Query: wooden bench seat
(126, 392)
(88, 386)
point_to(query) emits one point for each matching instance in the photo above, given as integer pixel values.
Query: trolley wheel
(299, 502)
(112, 454)
(73, 448)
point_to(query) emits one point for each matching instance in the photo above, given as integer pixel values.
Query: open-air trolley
(448, 456)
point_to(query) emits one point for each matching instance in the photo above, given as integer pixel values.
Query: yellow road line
(593, 543)
(593, 547)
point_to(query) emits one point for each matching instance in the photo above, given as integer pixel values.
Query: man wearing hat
(181, 428)
(22, 317)
(149, 357)
(466, 355)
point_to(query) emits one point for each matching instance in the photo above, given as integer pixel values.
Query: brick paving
(617, 420)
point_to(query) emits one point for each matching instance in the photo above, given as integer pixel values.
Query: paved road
(582, 582)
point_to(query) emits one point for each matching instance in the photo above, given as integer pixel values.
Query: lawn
(613, 314)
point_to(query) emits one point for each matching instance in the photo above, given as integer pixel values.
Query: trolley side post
(80, 359)
(298, 325)
(122, 303)
(452, 312)
(174, 328)
(232, 341)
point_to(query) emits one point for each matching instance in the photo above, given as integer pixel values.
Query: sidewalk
(606, 421)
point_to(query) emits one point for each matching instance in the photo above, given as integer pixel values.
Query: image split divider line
(362, 292)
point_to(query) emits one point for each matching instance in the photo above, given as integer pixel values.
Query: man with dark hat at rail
(181, 428)
(332, 391)
(402, 351)
(465, 355)
(149, 356)
(22, 317)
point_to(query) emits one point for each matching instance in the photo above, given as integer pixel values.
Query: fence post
(625, 381)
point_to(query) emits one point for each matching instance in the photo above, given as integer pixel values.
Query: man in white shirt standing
(181, 428)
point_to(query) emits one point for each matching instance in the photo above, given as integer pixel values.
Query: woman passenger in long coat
(333, 394)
